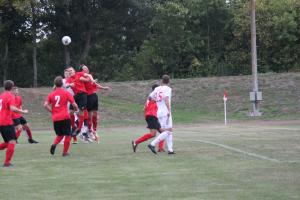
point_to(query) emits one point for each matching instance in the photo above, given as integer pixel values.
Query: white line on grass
(244, 152)
(238, 150)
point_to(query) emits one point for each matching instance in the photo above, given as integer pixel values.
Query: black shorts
(8, 133)
(81, 100)
(20, 120)
(92, 102)
(62, 127)
(153, 123)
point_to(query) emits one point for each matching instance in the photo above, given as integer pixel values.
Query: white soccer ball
(66, 40)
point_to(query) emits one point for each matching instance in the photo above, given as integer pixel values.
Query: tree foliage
(142, 39)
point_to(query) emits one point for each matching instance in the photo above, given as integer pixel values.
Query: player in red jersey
(92, 102)
(77, 82)
(7, 106)
(150, 113)
(56, 103)
(20, 122)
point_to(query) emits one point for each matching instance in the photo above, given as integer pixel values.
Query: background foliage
(141, 39)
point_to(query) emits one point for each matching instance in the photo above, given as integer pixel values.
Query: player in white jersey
(162, 95)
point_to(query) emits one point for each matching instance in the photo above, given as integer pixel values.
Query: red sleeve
(21, 101)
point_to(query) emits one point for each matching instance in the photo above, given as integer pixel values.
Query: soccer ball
(66, 40)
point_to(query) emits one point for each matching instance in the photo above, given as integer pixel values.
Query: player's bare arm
(48, 106)
(17, 110)
(167, 102)
(75, 106)
(103, 87)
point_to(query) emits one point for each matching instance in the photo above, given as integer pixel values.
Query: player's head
(84, 68)
(66, 73)
(8, 85)
(58, 81)
(71, 71)
(15, 90)
(165, 79)
(154, 86)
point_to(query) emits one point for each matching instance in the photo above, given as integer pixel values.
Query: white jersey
(159, 94)
(68, 89)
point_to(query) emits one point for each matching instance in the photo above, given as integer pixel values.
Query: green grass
(194, 100)
(110, 170)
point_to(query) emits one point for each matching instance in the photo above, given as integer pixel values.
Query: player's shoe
(152, 148)
(52, 149)
(171, 152)
(134, 145)
(32, 141)
(8, 165)
(65, 154)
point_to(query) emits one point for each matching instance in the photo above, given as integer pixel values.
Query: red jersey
(79, 86)
(18, 104)
(7, 99)
(91, 87)
(150, 108)
(59, 99)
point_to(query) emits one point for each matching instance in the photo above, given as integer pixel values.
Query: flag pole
(225, 107)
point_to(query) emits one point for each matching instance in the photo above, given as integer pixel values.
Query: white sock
(159, 138)
(170, 142)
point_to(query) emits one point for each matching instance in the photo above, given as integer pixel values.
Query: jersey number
(1, 104)
(57, 100)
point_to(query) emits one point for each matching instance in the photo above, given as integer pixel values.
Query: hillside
(194, 100)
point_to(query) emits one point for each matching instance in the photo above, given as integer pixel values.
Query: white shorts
(165, 122)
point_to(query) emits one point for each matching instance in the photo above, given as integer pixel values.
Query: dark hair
(165, 79)
(154, 86)
(58, 81)
(8, 85)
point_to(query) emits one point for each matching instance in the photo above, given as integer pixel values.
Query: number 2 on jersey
(57, 100)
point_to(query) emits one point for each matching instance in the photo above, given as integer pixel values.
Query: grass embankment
(194, 100)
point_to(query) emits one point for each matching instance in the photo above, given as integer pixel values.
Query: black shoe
(134, 146)
(32, 141)
(8, 165)
(152, 148)
(52, 149)
(171, 152)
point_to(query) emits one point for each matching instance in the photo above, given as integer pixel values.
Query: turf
(240, 161)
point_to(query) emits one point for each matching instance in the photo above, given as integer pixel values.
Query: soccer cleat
(52, 149)
(32, 141)
(134, 146)
(8, 165)
(152, 148)
(171, 152)
(65, 154)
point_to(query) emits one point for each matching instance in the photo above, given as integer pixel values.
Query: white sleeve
(152, 95)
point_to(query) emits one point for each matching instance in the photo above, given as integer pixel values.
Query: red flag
(225, 95)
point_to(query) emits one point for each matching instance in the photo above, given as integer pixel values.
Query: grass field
(256, 160)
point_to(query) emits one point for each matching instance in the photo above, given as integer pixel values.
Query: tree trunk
(67, 56)
(87, 45)
(34, 45)
(5, 61)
